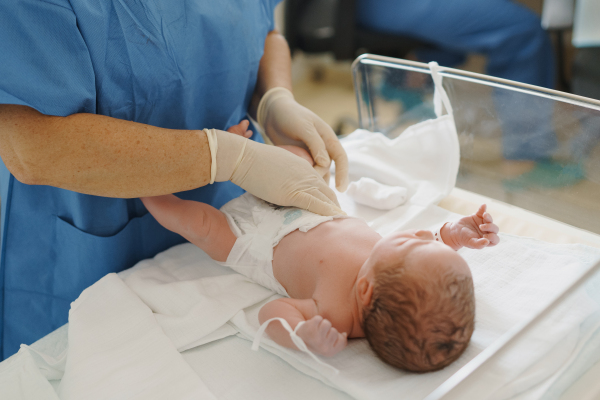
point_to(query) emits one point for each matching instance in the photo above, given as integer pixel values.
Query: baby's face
(418, 252)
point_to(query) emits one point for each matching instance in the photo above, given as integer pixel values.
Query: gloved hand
(287, 122)
(270, 173)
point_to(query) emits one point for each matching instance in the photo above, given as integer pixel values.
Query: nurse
(102, 102)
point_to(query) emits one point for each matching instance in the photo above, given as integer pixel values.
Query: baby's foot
(299, 151)
(241, 129)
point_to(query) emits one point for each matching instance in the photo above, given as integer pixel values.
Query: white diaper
(259, 226)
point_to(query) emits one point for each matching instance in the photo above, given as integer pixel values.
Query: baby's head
(418, 302)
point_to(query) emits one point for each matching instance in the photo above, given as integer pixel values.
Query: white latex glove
(270, 173)
(287, 122)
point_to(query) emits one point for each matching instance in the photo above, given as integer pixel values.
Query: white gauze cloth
(371, 193)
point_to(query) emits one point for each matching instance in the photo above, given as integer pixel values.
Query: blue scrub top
(172, 64)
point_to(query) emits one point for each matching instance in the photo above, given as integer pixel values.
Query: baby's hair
(419, 325)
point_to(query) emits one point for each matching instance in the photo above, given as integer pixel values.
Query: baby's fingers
(487, 218)
(241, 129)
(481, 210)
(475, 243)
(492, 228)
(324, 328)
(332, 336)
(493, 238)
(335, 343)
(341, 342)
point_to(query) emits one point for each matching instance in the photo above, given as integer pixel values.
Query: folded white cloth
(423, 160)
(20, 378)
(371, 193)
(118, 351)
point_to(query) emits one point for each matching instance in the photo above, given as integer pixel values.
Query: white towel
(118, 351)
(423, 160)
(371, 193)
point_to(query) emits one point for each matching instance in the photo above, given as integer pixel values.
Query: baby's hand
(321, 338)
(475, 231)
(241, 129)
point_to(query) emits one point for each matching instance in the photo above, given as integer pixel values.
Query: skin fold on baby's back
(323, 263)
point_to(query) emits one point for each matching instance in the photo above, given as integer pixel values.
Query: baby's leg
(300, 152)
(200, 223)
(242, 130)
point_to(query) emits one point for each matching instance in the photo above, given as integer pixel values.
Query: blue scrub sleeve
(270, 11)
(45, 61)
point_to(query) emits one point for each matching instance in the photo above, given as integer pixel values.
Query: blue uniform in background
(172, 64)
(509, 34)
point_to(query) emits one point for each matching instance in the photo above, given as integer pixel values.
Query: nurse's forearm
(275, 68)
(100, 155)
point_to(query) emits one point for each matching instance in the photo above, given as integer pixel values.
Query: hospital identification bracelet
(437, 234)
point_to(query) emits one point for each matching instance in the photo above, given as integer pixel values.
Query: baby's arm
(200, 223)
(475, 231)
(316, 332)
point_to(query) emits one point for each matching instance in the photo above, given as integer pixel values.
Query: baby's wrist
(447, 237)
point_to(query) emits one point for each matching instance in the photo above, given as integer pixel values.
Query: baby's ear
(364, 286)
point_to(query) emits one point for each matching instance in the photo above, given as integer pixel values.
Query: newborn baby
(410, 294)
